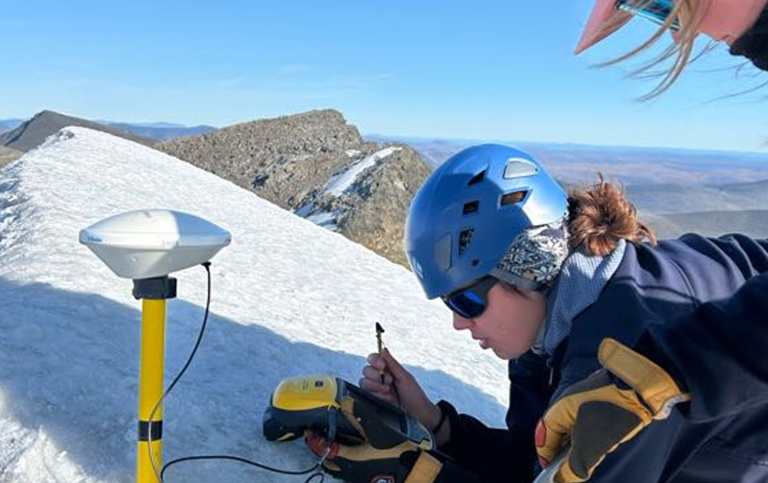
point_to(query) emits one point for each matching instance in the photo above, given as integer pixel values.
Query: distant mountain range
(575, 163)
(753, 223)
(162, 131)
(675, 190)
(671, 198)
(8, 124)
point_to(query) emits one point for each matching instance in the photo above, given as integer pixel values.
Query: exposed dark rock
(7, 155)
(305, 163)
(32, 133)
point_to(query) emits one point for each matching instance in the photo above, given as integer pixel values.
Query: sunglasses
(470, 302)
(657, 11)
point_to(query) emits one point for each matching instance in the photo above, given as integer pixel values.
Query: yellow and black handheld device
(311, 402)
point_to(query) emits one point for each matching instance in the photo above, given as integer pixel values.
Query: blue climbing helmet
(470, 210)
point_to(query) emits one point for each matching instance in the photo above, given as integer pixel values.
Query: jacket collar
(754, 43)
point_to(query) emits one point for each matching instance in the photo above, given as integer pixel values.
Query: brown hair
(600, 215)
(689, 15)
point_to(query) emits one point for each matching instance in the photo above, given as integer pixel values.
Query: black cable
(207, 266)
(247, 462)
(159, 475)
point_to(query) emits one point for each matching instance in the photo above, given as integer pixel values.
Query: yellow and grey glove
(386, 456)
(604, 410)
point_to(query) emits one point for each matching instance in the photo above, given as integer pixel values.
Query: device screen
(390, 415)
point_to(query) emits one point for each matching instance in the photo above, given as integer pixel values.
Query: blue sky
(481, 69)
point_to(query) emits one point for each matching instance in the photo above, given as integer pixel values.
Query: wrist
(441, 422)
(433, 417)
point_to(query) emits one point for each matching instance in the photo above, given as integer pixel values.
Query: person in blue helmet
(646, 358)
(562, 285)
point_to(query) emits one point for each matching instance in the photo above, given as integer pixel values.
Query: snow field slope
(289, 298)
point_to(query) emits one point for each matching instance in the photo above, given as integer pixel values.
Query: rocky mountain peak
(319, 166)
(33, 132)
(306, 133)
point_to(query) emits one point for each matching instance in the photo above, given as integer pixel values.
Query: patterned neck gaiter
(535, 257)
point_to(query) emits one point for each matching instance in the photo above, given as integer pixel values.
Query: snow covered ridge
(288, 298)
(324, 209)
(341, 182)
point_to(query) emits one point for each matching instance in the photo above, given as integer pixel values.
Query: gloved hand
(386, 456)
(604, 410)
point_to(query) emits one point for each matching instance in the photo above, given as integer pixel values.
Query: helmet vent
(443, 252)
(477, 178)
(465, 237)
(471, 207)
(519, 168)
(512, 198)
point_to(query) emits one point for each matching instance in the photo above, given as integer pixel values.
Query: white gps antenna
(153, 243)
(147, 246)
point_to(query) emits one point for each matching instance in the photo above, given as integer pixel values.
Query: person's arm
(713, 357)
(718, 352)
(495, 455)
(506, 455)
(503, 454)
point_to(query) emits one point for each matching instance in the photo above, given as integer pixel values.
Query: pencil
(379, 331)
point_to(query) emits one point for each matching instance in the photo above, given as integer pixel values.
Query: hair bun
(600, 215)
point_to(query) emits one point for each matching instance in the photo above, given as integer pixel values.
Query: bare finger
(372, 373)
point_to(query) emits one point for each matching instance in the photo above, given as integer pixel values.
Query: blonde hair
(600, 215)
(688, 14)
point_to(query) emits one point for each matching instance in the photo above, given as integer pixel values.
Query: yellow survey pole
(145, 246)
(151, 388)
(153, 293)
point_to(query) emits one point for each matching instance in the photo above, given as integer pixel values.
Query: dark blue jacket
(666, 300)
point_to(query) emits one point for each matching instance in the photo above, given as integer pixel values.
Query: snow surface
(339, 183)
(326, 219)
(289, 298)
(304, 209)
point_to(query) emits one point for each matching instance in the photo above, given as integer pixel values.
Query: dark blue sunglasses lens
(467, 304)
